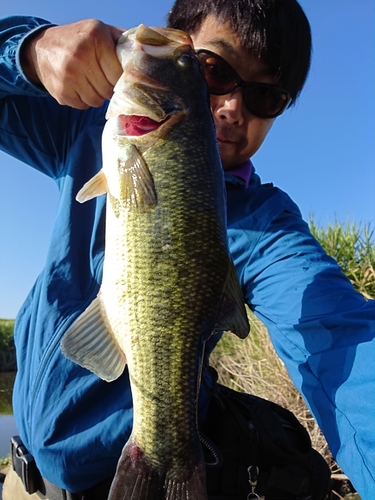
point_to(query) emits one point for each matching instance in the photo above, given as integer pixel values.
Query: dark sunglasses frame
(282, 94)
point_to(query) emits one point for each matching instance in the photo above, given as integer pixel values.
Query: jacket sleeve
(321, 327)
(13, 32)
(301, 293)
(34, 128)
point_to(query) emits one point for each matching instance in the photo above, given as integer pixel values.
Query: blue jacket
(74, 423)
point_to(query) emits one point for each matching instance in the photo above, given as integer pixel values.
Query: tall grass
(252, 365)
(353, 247)
(7, 350)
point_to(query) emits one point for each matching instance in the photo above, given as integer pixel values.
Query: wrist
(28, 54)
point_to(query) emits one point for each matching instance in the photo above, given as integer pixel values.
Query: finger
(107, 56)
(99, 83)
(112, 70)
(74, 101)
(91, 97)
(87, 88)
(81, 97)
(116, 32)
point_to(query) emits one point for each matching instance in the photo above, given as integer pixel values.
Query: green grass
(5, 461)
(6, 332)
(7, 350)
(352, 246)
(6, 385)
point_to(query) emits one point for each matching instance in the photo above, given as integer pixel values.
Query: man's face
(239, 132)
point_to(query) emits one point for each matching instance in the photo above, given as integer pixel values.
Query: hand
(76, 63)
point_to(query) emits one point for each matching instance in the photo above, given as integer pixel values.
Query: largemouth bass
(168, 280)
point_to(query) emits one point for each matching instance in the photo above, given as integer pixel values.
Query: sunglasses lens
(219, 76)
(262, 99)
(266, 101)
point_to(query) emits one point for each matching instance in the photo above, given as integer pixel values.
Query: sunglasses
(261, 99)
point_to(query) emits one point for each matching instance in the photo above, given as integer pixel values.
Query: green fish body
(168, 280)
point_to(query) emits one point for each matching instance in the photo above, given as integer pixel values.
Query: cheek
(214, 102)
(257, 131)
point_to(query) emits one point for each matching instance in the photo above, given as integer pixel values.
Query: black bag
(255, 448)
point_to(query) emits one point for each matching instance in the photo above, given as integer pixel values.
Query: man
(73, 423)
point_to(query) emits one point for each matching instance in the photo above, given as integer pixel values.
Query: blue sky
(321, 151)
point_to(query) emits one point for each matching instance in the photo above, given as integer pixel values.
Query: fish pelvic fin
(232, 311)
(137, 184)
(89, 342)
(137, 479)
(96, 186)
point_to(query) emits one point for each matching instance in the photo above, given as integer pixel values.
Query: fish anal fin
(137, 184)
(232, 311)
(96, 186)
(90, 343)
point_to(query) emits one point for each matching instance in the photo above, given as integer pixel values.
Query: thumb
(116, 32)
(108, 59)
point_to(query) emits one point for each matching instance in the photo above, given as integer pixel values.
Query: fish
(168, 279)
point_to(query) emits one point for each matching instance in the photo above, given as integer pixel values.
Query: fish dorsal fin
(137, 184)
(232, 315)
(90, 343)
(93, 188)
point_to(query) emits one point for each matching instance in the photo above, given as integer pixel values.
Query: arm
(36, 57)
(321, 327)
(76, 63)
(13, 31)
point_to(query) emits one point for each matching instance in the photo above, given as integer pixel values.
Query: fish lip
(168, 36)
(134, 75)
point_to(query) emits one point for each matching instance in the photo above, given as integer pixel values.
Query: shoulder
(267, 236)
(258, 204)
(261, 215)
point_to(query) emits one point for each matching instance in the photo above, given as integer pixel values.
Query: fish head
(161, 87)
(160, 84)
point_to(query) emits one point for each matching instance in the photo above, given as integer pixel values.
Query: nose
(228, 107)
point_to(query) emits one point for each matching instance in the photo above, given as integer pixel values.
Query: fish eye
(185, 61)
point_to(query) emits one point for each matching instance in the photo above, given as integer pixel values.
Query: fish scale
(197, 288)
(168, 280)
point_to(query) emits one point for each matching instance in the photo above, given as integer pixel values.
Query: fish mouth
(136, 126)
(141, 103)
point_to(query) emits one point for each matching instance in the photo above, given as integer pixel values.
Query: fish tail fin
(185, 488)
(137, 479)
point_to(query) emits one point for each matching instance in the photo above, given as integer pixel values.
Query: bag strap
(213, 449)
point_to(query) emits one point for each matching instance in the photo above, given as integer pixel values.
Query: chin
(232, 162)
(227, 161)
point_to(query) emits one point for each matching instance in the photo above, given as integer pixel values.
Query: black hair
(276, 31)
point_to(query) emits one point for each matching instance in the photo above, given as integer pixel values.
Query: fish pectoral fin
(138, 189)
(90, 343)
(232, 311)
(96, 186)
